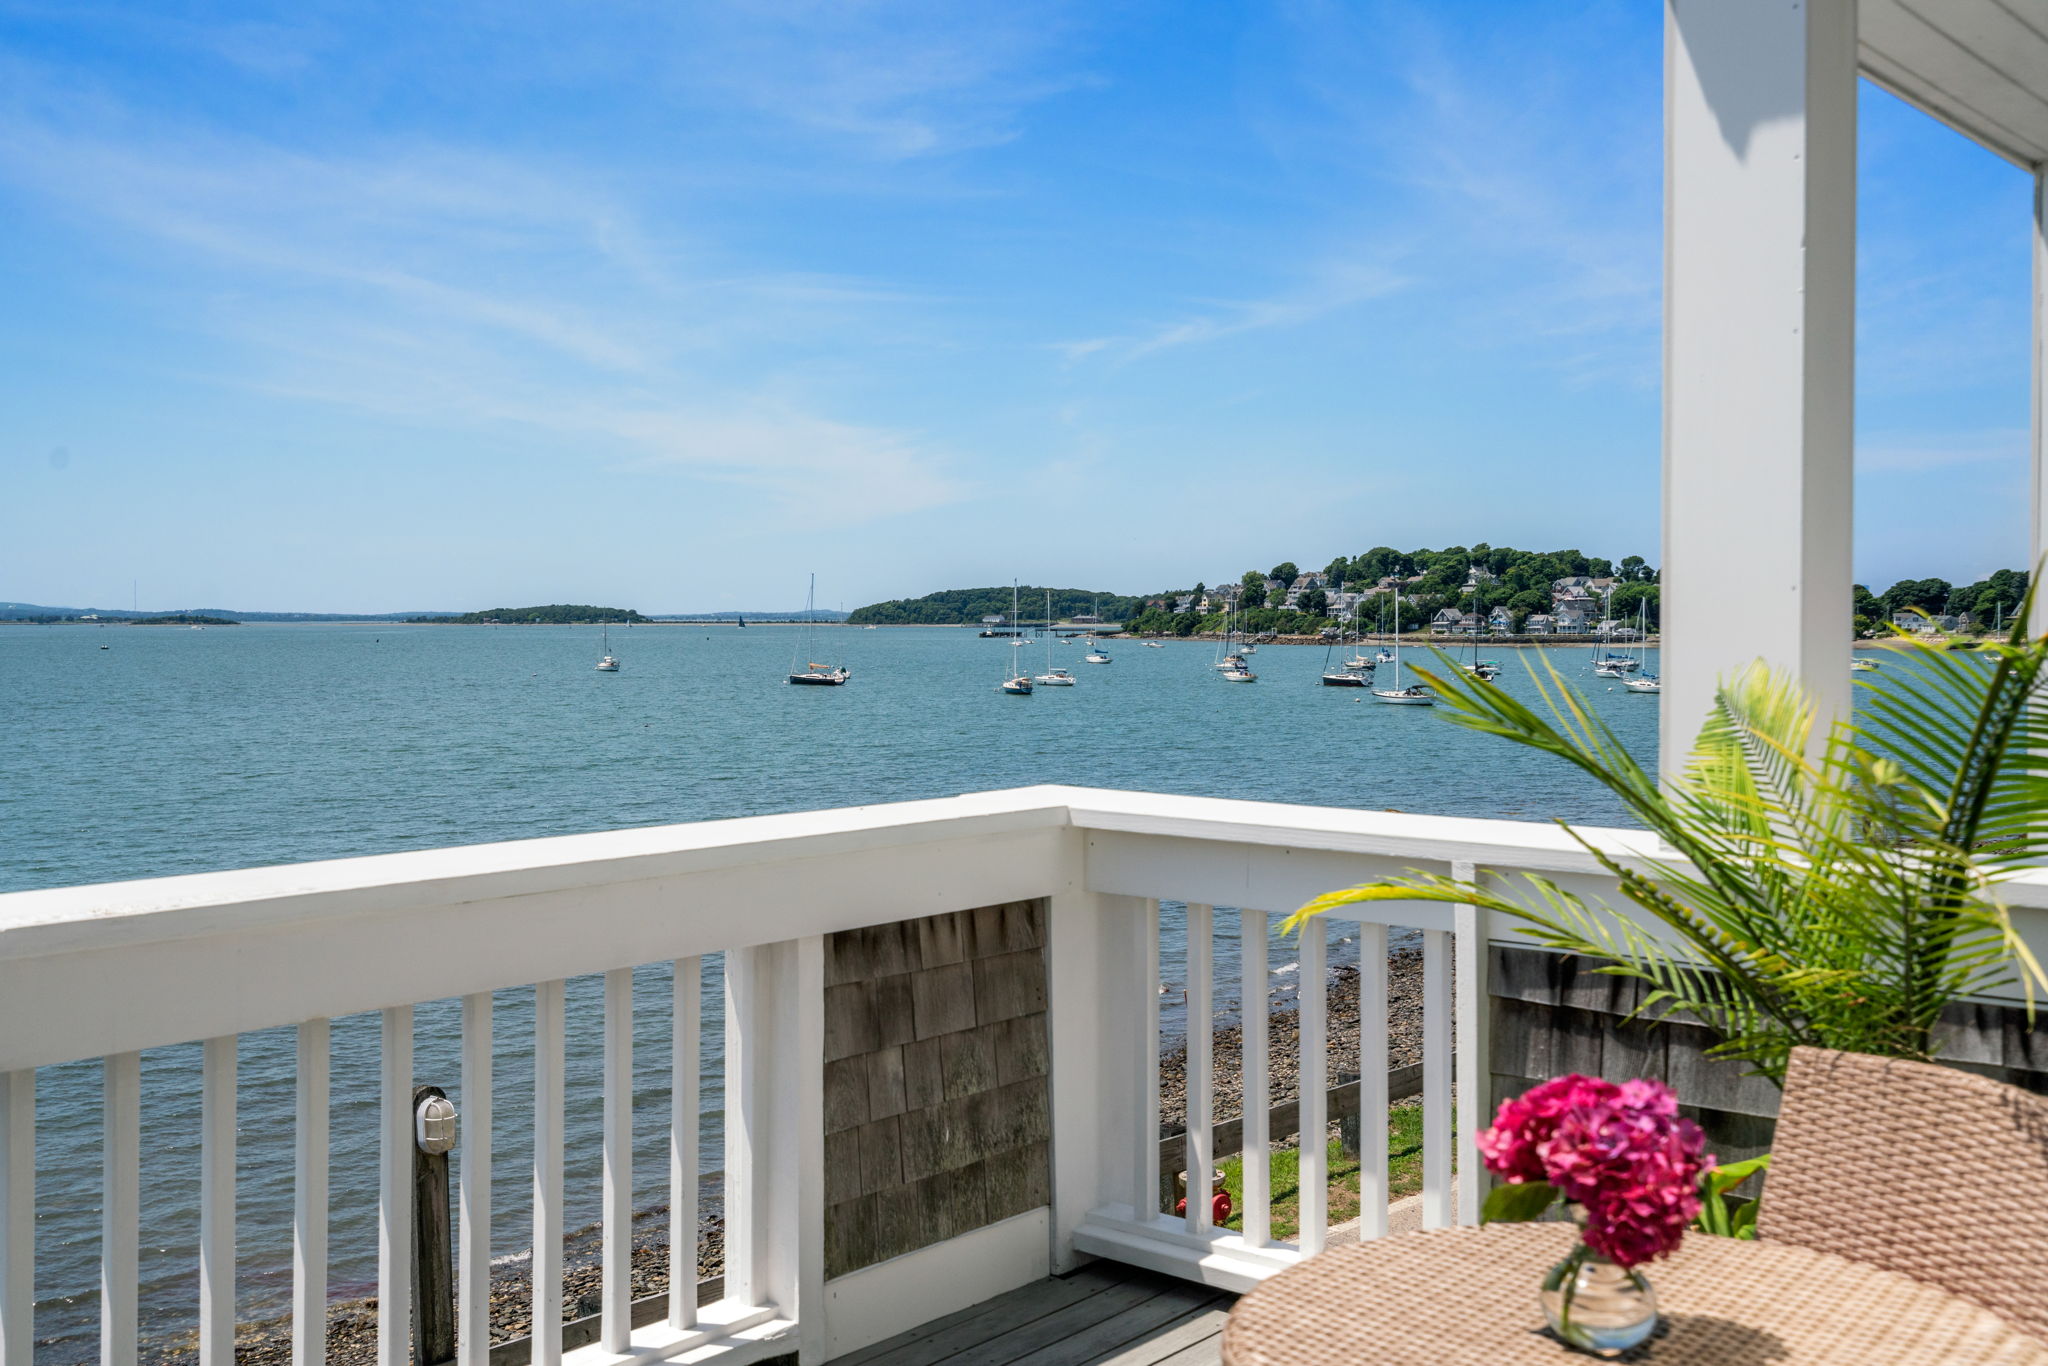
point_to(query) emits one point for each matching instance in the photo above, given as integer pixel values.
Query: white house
(1540, 624)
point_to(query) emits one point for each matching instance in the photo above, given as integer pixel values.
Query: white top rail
(108, 968)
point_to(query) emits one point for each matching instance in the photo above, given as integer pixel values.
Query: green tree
(1631, 597)
(1632, 568)
(1254, 584)
(1929, 595)
(1285, 572)
(1315, 603)
(1338, 572)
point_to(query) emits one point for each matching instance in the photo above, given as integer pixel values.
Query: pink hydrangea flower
(1622, 1152)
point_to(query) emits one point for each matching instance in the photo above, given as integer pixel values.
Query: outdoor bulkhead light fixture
(434, 1123)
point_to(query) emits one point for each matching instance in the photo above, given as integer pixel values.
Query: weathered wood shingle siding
(937, 1114)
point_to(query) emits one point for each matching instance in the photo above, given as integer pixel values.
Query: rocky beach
(1404, 1043)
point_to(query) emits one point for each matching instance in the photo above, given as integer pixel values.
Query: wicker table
(1468, 1295)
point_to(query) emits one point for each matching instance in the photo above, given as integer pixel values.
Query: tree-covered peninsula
(967, 606)
(554, 614)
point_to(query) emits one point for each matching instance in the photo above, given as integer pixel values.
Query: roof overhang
(1980, 66)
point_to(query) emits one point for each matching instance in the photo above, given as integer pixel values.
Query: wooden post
(433, 1255)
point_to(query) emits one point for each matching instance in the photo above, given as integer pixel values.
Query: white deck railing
(107, 971)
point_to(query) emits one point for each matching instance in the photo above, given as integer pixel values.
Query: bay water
(176, 751)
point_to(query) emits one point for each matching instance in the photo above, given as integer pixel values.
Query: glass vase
(1597, 1305)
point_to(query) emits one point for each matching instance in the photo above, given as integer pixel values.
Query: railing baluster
(745, 1116)
(120, 1216)
(473, 1290)
(548, 1015)
(1314, 1073)
(1201, 1074)
(1372, 1081)
(1474, 1048)
(17, 1217)
(217, 1202)
(309, 1198)
(1436, 1079)
(685, 1039)
(617, 1326)
(394, 1190)
(1252, 928)
(1145, 1065)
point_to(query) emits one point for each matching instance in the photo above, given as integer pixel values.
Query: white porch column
(1759, 341)
(2038, 542)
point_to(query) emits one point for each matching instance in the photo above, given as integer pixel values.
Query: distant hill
(967, 606)
(29, 611)
(554, 614)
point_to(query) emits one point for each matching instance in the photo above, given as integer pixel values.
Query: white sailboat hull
(1403, 698)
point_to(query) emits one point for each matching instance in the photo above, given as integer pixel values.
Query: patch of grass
(1404, 1176)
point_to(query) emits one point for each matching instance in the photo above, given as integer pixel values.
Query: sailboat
(1647, 683)
(812, 672)
(1235, 667)
(1356, 672)
(1052, 677)
(1485, 670)
(739, 621)
(1017, 683)
(610, 663)
(1612, 663)
(1414, 695)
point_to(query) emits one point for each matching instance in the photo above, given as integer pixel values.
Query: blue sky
(363, 307)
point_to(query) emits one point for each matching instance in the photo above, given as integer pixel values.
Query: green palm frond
(1837, 888)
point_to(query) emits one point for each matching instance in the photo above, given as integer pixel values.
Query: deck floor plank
(933, 1342)
(1103, 1315)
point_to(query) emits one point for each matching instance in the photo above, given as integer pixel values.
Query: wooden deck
(1102, 1315)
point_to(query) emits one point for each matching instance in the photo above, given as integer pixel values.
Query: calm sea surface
(178, 751)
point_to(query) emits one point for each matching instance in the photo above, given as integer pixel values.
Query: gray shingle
(943, 999)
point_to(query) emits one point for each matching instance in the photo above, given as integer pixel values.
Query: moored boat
(813, 673)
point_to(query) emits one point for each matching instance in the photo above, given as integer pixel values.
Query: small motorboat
(1856, 665)
(1096, 656)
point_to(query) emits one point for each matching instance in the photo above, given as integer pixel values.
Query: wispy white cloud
(1336, 287)
(894, 78)
(1512, 160)
(450, 287)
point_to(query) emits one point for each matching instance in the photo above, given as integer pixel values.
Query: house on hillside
(1540, 624)
(1478, 574)
(1573, 619)
(1445, 621)
(1500, 621)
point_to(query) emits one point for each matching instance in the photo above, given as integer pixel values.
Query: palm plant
(1833, 890)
